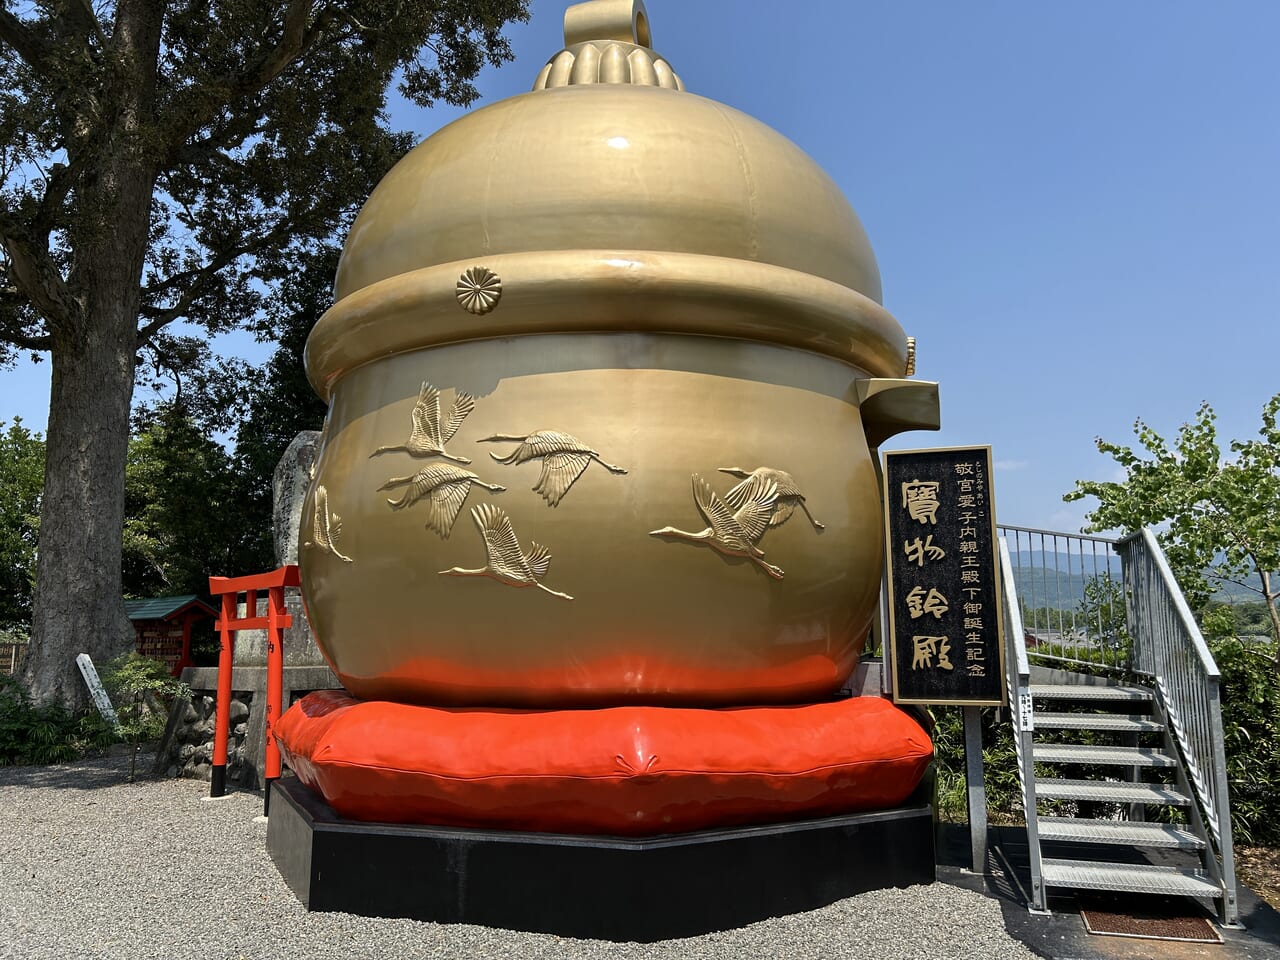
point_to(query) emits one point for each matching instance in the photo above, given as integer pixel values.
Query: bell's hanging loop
(624, 20)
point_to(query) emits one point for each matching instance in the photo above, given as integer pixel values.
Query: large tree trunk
(78, 606)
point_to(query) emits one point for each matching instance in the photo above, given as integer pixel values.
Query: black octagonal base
(611, 888)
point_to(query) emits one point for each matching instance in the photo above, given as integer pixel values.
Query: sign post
(945, 640)
(97, 691)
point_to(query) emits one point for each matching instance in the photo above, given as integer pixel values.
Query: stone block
(246, 751)
(288, 490)
(300, 648)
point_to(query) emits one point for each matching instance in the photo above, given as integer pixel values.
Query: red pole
(275, 690)
(275, 622)
(222, 715)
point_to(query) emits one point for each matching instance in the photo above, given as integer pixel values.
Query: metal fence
(1171, 648)
(1018, 684)
(1070, 589)
(1115, 606)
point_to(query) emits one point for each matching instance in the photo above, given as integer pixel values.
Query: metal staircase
(1112, 766)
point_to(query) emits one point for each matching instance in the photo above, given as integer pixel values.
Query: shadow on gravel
(1062, 934)
(91, 774)
(94, 773)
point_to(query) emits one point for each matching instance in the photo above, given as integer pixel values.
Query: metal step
(1075, 830)
(1114, 722)
(1084, 691)
(1110, 791)
(1145, 878)
(1115, 756)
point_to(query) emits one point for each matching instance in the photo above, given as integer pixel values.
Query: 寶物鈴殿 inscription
(945, 624)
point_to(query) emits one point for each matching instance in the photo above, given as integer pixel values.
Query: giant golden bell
(605, 372)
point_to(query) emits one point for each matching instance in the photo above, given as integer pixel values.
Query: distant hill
(1057, 580)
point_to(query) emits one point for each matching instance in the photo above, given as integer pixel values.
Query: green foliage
(172, 163)
(192, 510)
(184, 515)
(242, 132)
(21, 480)
(1235, 620)
(282, 402)
(1102, 611)
(141, 690)
(38, 734)
(1004, 795)
(1221, 516)
(1096, 632)
(131, 679)
(34, 735)
(14, 634)
(1251, 730)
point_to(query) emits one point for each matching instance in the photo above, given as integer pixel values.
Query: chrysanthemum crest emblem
(479, 290)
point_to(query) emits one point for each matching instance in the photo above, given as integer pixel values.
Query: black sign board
(945, 616)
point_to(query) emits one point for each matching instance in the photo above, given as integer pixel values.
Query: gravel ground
(93, 866)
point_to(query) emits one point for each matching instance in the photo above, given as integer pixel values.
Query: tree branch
(1234, 581)
(196, 111)
(161, 318)
(32, 48)
(82, 14)
(39, 344)
(57, 186)
(75, 21)
(11, 301)
(194, 282)
(36, 275)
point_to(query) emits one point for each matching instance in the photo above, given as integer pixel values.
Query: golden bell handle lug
(624, 20)
(891, 406)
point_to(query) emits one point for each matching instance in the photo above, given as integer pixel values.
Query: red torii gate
(274, 623)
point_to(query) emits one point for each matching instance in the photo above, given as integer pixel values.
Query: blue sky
(1075, 207)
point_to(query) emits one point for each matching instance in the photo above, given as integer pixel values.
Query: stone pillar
(289, 489)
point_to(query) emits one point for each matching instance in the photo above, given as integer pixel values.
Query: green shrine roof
(162, 608)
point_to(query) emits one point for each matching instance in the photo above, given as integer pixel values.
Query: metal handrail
(1187, 621)
(1168, 644)
(1056, 569)
(1018, 683)
(1056, 533)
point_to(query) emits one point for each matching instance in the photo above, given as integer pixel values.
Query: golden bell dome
(608, 153)
(612, 285)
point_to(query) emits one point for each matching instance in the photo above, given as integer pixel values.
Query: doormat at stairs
(1186, 929)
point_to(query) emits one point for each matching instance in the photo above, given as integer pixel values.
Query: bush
(1251, 730)
(142, 690)
(35, 735)
(1004, 795)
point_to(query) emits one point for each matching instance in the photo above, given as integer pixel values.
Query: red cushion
(623, 770)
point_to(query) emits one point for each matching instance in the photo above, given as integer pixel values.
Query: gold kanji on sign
(919, 603)
(920, 498)
(931, 652)
(917, 550)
